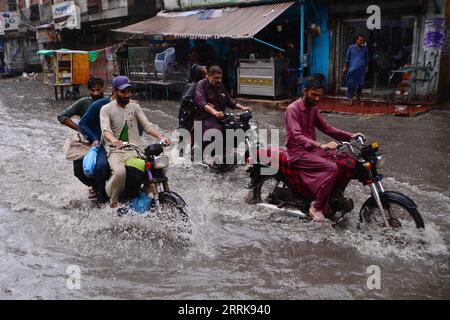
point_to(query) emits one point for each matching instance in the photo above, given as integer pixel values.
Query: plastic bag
(141, 203)
(89, 162)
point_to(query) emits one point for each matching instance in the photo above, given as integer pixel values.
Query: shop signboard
(188, 4)
(9, 20)
(66, 15)
(47, 33)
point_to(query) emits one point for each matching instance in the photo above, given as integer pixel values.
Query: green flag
(93, 55)
(124, 133)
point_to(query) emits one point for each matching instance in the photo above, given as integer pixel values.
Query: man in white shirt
(119, 121)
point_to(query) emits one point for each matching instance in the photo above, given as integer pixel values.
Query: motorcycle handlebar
(228, 114)
(343, 144)
(124, 145)
(131, 145)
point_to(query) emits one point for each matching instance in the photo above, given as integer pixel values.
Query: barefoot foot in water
(317, 215)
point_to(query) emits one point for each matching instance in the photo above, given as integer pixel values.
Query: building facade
(74, 24)
(410, 33)
(402, 35)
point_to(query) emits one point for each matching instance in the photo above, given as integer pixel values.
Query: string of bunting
(92, 54)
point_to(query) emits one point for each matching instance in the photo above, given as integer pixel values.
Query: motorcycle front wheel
(171, 211)
(399, 214)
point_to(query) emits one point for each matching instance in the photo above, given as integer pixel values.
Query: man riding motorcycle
(212, 98)
(119, 121)
(315, 162)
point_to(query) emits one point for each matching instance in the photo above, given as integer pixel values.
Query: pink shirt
(301, 122)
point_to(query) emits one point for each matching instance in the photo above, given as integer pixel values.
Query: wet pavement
(236, 251)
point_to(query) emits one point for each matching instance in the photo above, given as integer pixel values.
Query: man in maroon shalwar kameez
(314, 160)
(212, 98)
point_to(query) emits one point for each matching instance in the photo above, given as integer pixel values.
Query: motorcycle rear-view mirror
(154, 149)
(245, 117)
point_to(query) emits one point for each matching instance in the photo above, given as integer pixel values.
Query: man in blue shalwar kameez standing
(356, 63)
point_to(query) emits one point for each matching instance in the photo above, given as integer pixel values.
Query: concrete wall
(430, 57)
(111, 9)
(444, 72)
(20, 55)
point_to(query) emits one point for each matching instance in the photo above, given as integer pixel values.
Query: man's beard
(310, 102)
(123, 101)
(96, 97)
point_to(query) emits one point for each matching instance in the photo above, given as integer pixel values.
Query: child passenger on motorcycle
(314, 161)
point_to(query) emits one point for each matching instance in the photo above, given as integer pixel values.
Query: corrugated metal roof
(237, 23)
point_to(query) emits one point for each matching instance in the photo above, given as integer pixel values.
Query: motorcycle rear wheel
(265, 188)
(398, 215)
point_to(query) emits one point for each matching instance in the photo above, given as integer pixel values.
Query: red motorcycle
(284, 191)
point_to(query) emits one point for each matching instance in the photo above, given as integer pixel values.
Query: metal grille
(138, 69)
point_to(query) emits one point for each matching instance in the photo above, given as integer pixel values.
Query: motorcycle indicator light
(380, 161)
(367, 166)
(374, 145)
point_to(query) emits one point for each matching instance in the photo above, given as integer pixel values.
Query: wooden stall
(71, 68)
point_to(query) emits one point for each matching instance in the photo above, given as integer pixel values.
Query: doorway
(389, 48)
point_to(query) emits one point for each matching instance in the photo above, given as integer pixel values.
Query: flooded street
(236, 250)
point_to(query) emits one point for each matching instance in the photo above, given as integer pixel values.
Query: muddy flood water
(236, 250)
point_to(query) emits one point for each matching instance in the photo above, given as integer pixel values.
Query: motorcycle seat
(287, 171)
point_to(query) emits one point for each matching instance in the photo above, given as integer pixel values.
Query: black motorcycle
(242, 127)
(383, 208)
(149, 176)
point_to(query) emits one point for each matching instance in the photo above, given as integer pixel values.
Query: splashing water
(235, 250)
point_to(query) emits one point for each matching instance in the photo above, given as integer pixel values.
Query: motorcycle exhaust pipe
(296, 213)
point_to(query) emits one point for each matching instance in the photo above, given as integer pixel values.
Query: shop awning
(92, 55)
(233, 23)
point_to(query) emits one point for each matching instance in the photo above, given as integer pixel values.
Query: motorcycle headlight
(253, 125)
(380, 161)
(161, 162)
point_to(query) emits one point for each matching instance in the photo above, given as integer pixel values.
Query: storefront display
(261, 77)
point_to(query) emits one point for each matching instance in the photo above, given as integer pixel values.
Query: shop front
(257, 45)
(400, 68)
(390, 48)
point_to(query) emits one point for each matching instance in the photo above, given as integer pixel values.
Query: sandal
(92, 194)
